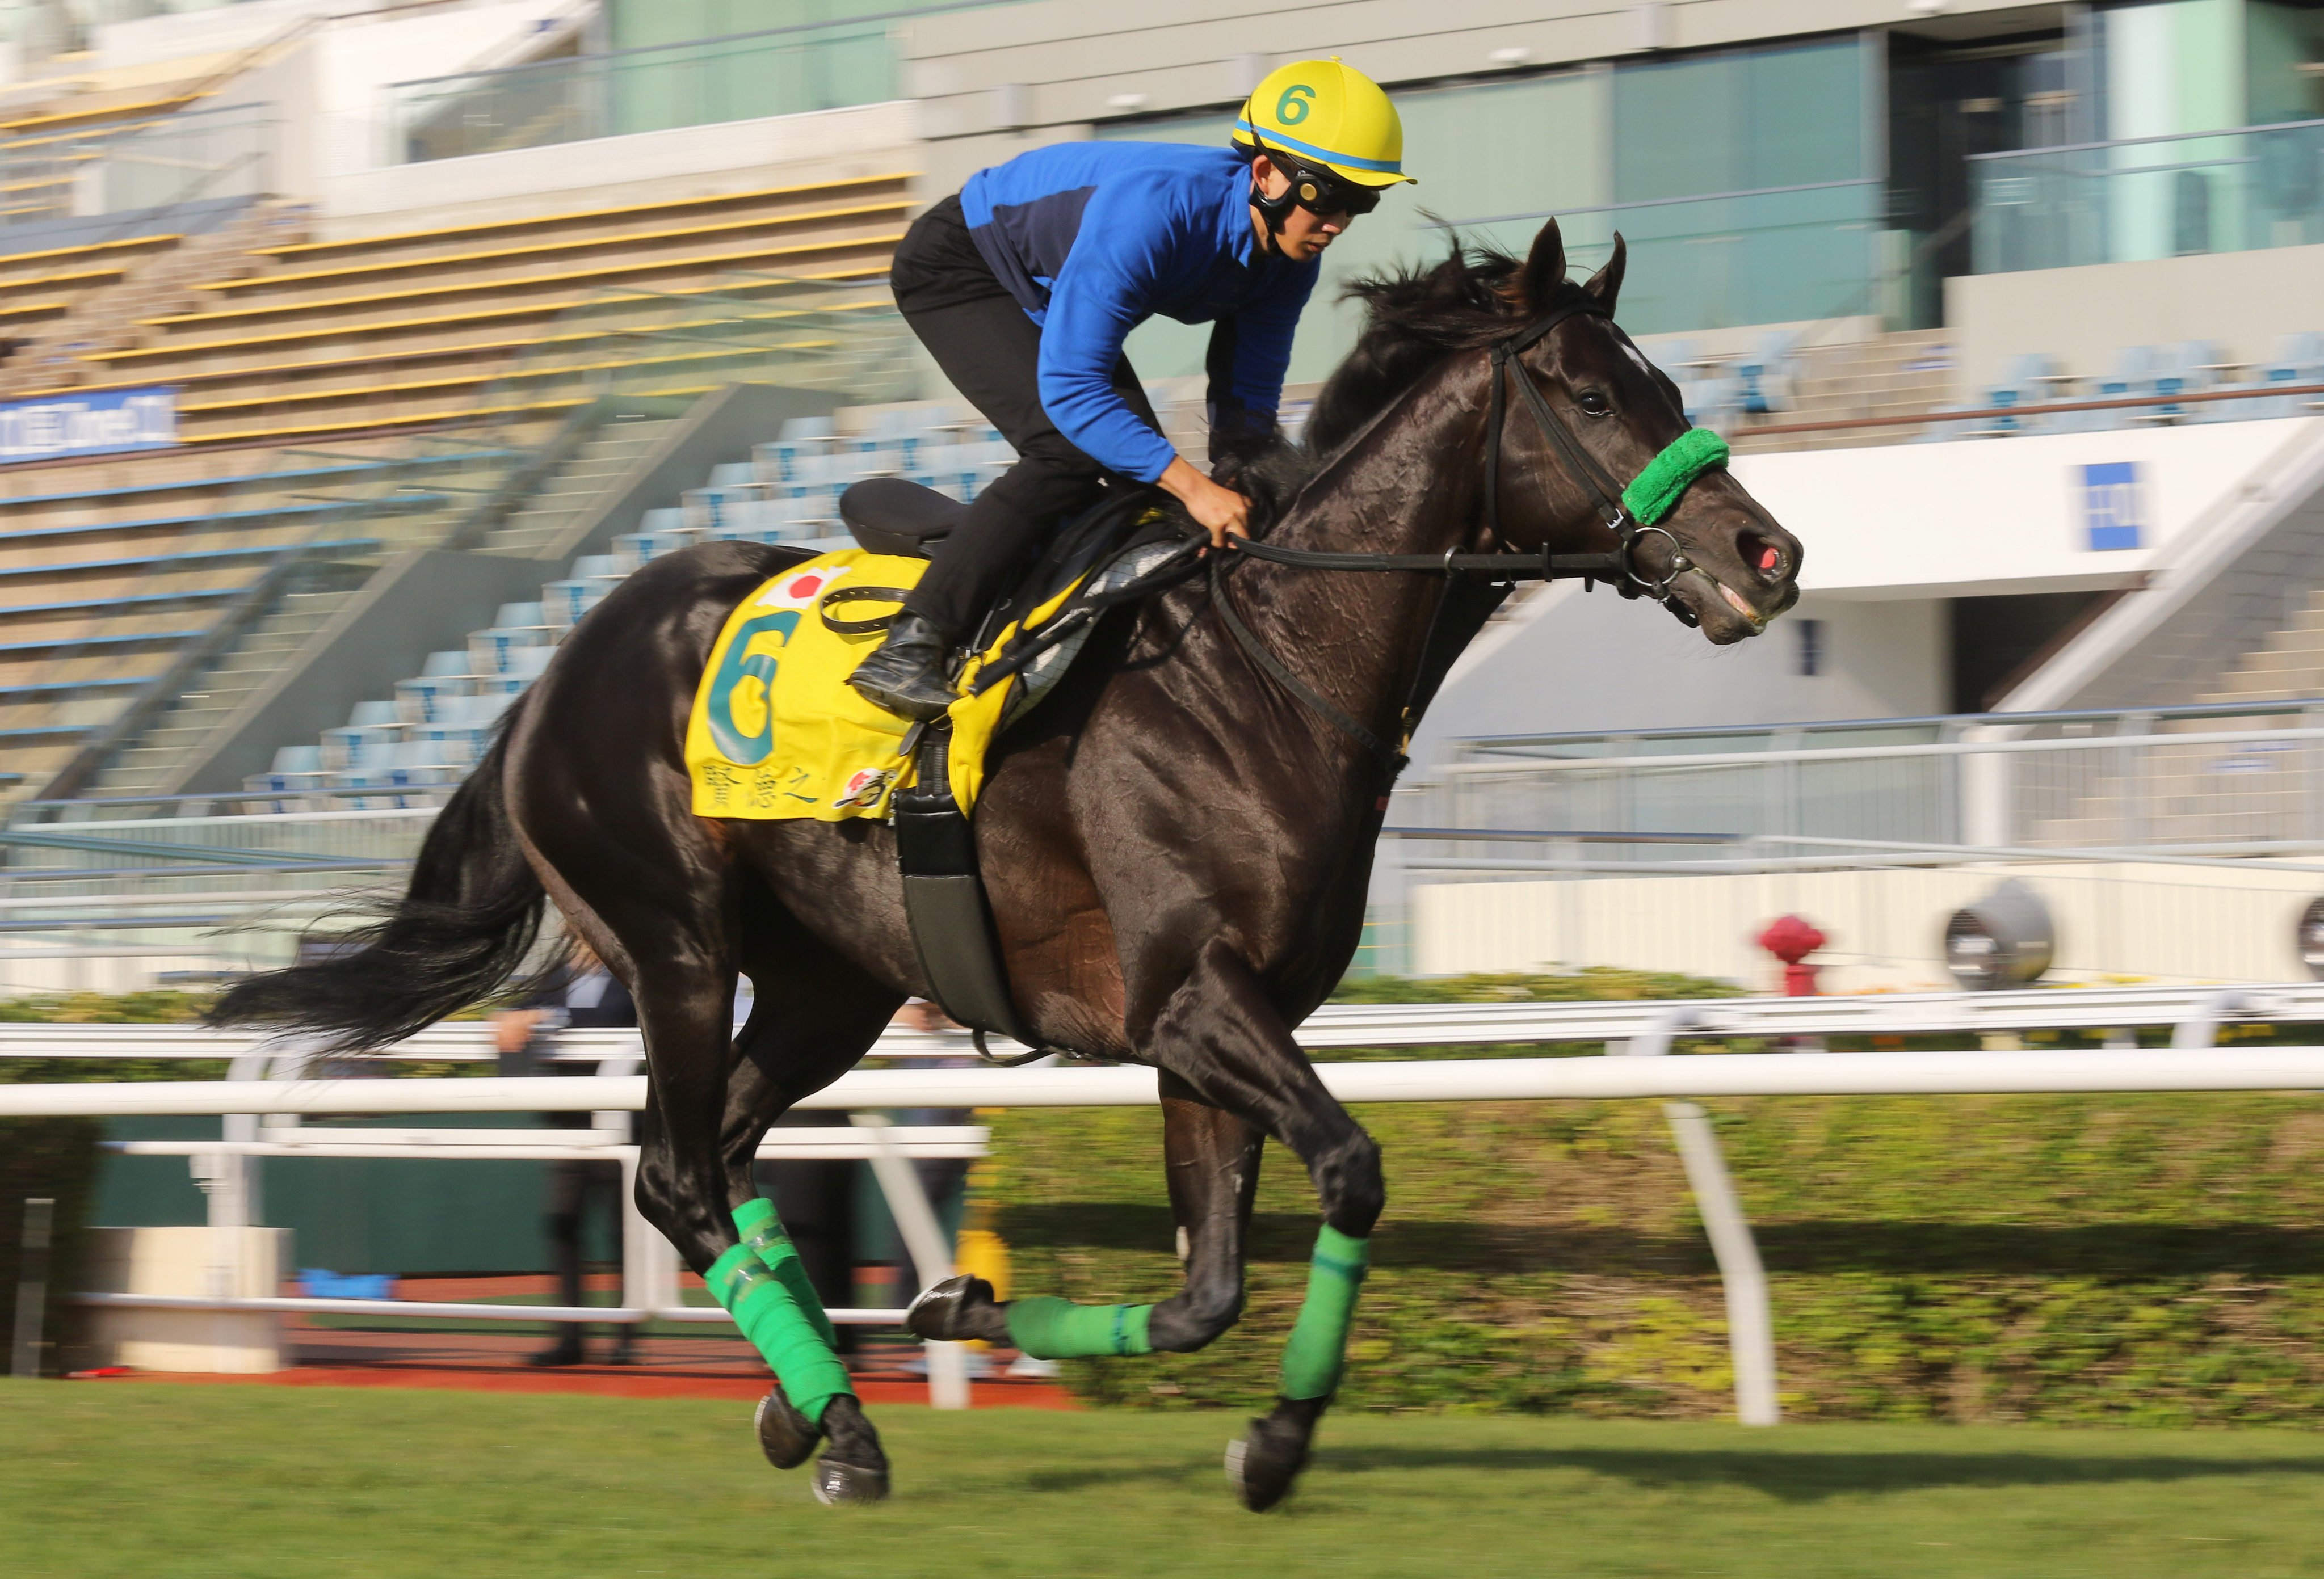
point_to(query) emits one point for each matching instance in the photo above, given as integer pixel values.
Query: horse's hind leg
(1212, 1159)
(814, 1016)
(710, 1108)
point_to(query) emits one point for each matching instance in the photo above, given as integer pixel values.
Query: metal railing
(2225, 191)
(227, 150)
(1766, 255)
(2230, 777)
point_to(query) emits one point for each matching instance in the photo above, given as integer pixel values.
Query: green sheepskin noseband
(1656, 491)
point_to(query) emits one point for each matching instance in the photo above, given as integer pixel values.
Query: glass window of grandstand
(1745, 183)
(1962, 90)
(2199, 129)
(655, 65)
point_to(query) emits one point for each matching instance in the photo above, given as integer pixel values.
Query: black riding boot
(905, 675)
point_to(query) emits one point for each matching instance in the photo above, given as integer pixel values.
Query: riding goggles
(1320, 192)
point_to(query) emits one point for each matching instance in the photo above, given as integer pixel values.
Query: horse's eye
(1595, 403)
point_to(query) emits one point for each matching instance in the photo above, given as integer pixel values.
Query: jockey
(1024, 286)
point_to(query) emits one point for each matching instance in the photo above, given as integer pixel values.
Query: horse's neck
(1409, 485)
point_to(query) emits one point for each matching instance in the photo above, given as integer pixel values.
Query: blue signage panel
(2113, 504)
(101, 422)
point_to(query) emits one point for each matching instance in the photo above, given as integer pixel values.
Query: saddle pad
(777, 732)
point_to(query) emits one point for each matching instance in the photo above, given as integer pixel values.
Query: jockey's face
(1305, 233)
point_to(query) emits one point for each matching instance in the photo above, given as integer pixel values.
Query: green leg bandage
(1314, 1358)
(763, 1236)
(811, 1374)
(1049, 1328)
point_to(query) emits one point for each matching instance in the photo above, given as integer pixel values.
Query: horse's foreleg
(1221, 1035)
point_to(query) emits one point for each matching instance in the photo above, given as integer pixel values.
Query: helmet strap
(1273, 211)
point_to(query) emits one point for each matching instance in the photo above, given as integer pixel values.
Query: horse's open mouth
(1725, 614)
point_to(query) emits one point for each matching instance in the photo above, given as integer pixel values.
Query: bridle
(1476, 584)
(1609, 497)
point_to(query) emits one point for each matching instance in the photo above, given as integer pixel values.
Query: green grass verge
(158, 1480)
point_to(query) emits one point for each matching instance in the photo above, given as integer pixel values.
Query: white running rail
(2191, 1064)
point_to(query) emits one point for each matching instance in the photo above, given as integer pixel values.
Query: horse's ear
(1607, 283)
(1545, 268)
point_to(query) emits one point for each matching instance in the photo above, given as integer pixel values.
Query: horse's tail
(462, 929)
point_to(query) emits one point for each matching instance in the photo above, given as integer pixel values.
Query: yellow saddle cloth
(775, 731)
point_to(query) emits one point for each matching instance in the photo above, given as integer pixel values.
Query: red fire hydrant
(1792, 939)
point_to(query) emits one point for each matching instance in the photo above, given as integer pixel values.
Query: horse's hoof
(836, 1483)
(947, 1312)
(1262, 1465)
(785, 1436)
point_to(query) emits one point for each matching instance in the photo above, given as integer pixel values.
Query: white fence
(2191, 1064)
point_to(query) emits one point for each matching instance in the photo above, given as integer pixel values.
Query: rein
(1476, 584)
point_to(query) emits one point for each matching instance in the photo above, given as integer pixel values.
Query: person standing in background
(581, 995)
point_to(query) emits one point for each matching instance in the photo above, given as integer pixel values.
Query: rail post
(32, 1287)
(1750, 1322)
(924, 1241)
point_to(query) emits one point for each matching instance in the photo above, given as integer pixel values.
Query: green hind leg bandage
(1049, 1328)
(811, 1374)
(1317, 1352)
(763, 1236)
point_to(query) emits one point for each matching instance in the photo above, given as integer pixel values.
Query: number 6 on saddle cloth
(777, 733)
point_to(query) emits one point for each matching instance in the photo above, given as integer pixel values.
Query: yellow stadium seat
(597, 273)
(544, 249)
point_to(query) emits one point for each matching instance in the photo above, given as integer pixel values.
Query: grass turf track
(154, 1479)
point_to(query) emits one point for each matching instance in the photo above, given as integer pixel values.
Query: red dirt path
(710, 1365)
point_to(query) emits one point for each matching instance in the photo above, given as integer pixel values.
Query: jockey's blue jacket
(1094, 238)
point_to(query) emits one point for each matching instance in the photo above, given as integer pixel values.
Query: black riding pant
(573, 1186)
(991, 351)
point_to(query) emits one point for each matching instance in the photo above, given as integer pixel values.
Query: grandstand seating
(422, 326)
(105, 582)
(409, 747)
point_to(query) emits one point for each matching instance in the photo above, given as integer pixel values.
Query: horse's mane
(1415, 317)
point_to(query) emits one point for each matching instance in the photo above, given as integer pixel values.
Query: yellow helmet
(1329, 114)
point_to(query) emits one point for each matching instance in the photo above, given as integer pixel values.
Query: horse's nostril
(1761, 555)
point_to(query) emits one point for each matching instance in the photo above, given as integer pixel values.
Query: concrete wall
(2084, 316)
(1571, 661)
(2240, 575)
(2171, 924)
(2007, 515)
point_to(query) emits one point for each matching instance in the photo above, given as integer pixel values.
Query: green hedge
(2153, 1260)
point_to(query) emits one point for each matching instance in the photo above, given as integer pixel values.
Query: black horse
(1177, 841)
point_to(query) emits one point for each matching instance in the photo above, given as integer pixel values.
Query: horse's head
(1716, 554)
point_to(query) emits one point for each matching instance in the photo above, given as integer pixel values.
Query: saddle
(1118, 550)
(895, 516)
